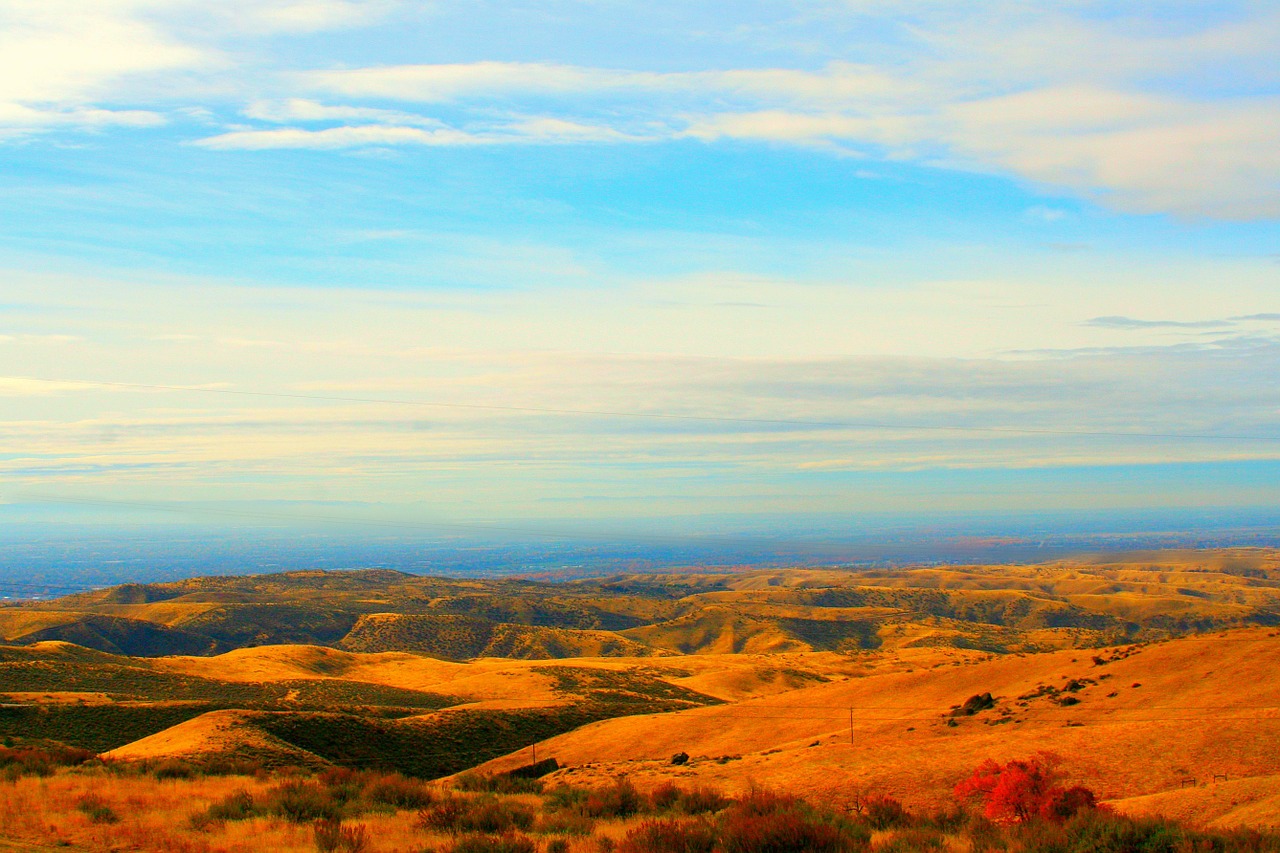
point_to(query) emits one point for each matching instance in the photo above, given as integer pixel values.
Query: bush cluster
(497, 783)
(177, 768)
(483, 814)
(510, 842)
(18, 761)
(331, 836)
(1020, 806)
(96, 809)
(1036, 814)
(332, 796)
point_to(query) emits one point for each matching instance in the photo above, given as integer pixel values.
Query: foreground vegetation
(1015, 807)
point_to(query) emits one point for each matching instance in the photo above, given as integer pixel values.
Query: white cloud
(61, 60)
(304, 110)
(1144, 111)
(840, 82)
(57, 57)
(299, 15)
(1142, 154)
(526, 131)
(26, 118)
(335, 138)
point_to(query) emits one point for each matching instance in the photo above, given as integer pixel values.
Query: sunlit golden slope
(16, 623)
(1248, 802)
(217, 732)
(729, 677)
(1191, 707)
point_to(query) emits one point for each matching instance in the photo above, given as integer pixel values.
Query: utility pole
(851, 728)
(535, 752)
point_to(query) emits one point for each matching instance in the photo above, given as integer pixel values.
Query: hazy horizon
(53, 557)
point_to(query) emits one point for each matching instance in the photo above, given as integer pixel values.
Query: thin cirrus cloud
(838, 83)
(1135, 323)
(1135, 150)
(1175, 113)
(534, 130)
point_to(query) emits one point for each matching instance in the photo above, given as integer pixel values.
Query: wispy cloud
(838, 83)
(1175, 119)
(549, 131)
(1136, 323)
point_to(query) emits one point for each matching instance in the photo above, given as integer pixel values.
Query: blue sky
(956, 247)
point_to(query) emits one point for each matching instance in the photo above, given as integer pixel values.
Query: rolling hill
(1151, 676)
(1066, 604)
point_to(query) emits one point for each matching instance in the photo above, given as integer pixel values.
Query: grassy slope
(904, 646)
(1143, 740)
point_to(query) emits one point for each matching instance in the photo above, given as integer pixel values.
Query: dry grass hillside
(1138, 721)
(1152, 677)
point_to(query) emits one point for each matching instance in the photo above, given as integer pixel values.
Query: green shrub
(664, 797)
(483, 814)
(621, 799)
(226, 765)
(494, 816)
(566, 797)
(174, 769)
(764, 802)
(507, 843)
(238, 805)
(669, 797)
(445, 815)
(913, 841)
(497, 783)
(767, 822)
(670, 836)
(301, 802)
(565, 823)
(398, 791)
(96, 809)
(331, 836)
(38, 761)
(885, 813)
(702, 801)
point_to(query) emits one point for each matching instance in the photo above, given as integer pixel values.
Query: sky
(679, 263)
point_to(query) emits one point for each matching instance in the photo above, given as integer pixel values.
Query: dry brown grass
(1197, 713)
(16, 621)
(155, 816)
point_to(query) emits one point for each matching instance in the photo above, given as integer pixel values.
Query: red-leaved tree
(1024, 788)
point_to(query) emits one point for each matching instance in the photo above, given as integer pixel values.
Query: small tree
(1023, 789)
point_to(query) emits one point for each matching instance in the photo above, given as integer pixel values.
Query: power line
(661, 416)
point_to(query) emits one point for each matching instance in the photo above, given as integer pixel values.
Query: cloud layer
(459, 417)
(1174, 110)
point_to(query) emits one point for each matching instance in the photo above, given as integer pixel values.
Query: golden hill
(1138, 725)
(1064, 604)
(214, 733)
